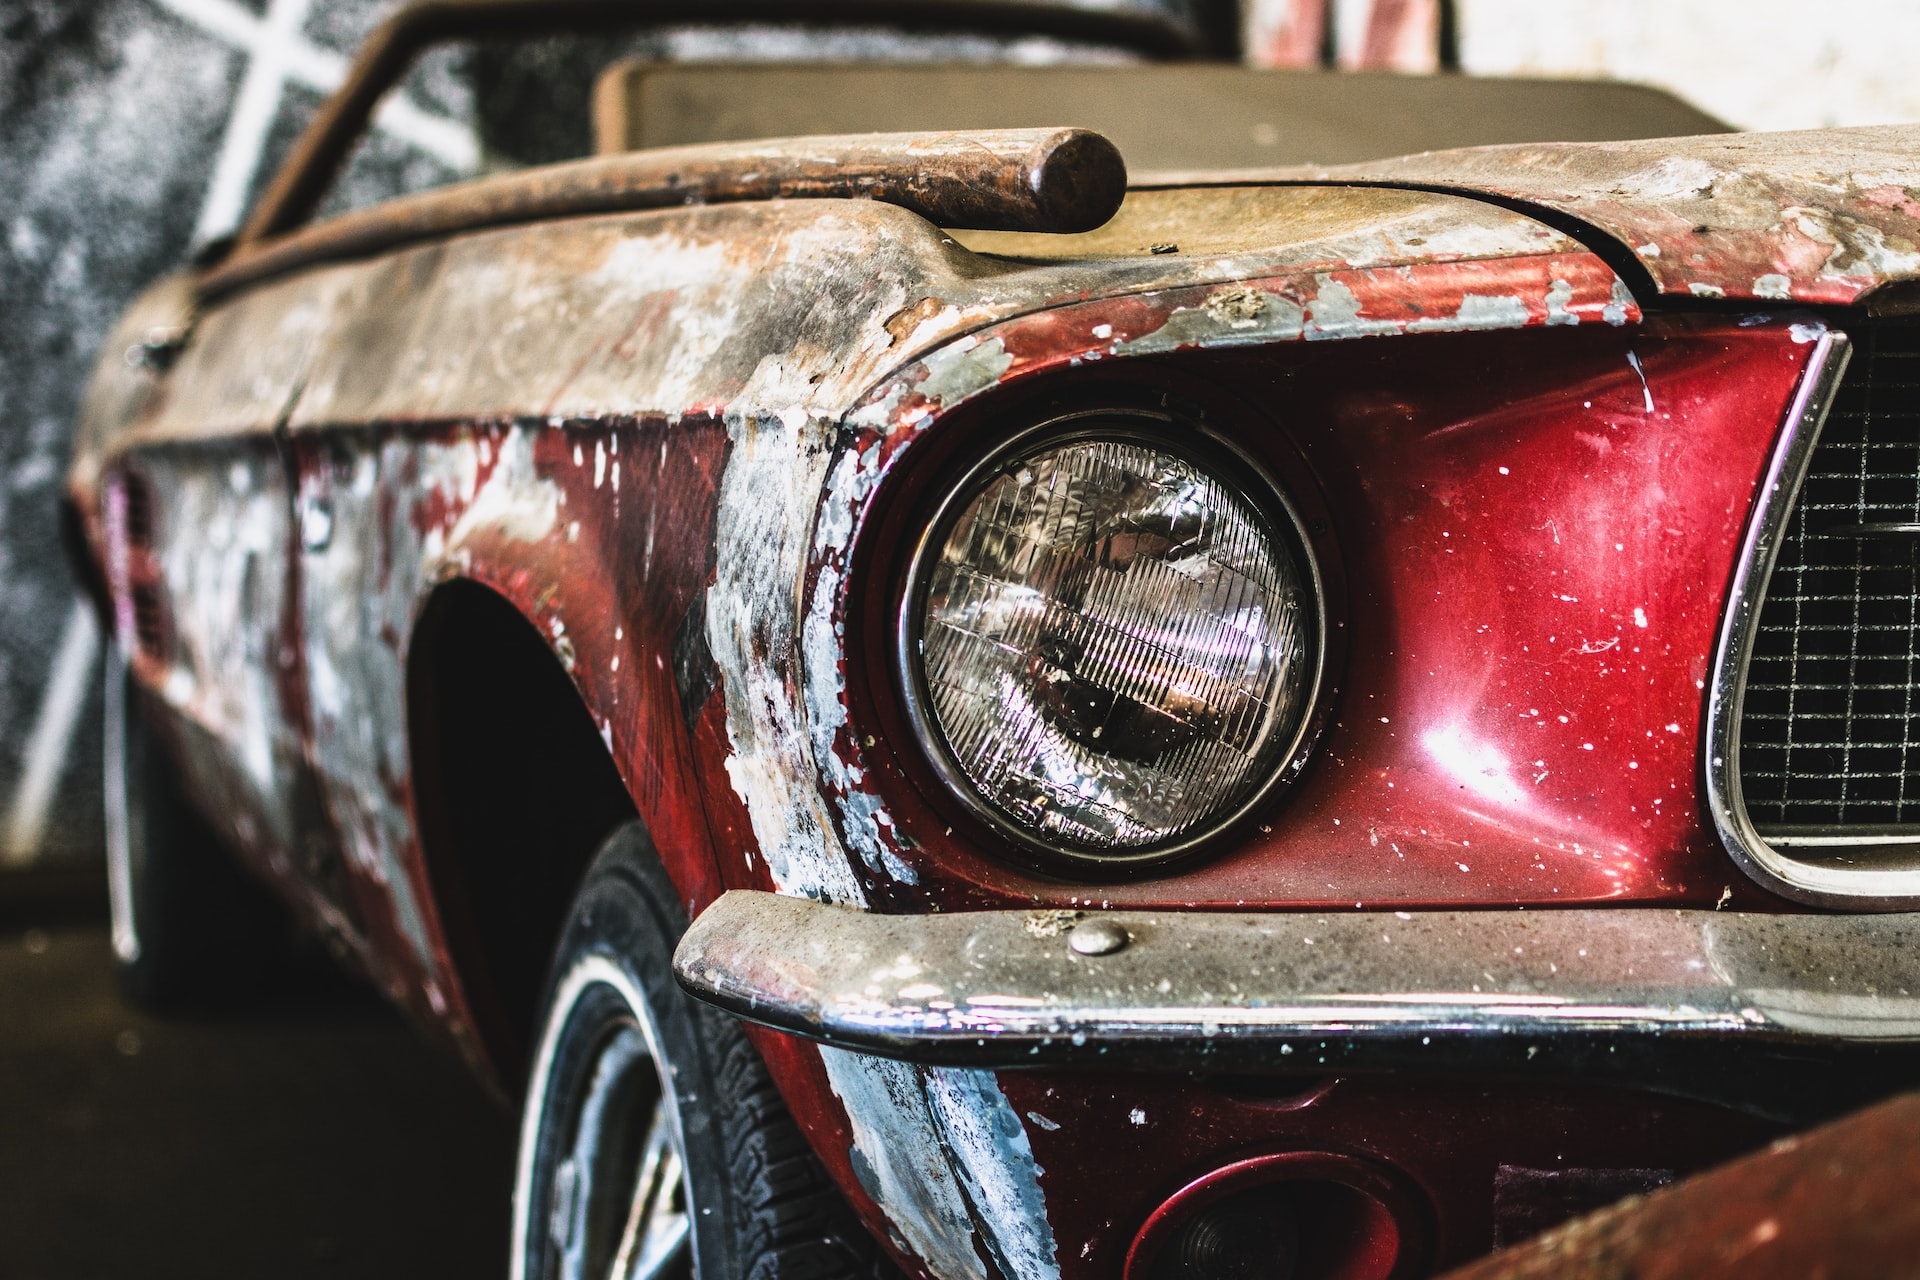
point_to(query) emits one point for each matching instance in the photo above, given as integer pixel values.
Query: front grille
(1830, 727)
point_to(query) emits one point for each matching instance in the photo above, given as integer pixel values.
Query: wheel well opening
(514, 790)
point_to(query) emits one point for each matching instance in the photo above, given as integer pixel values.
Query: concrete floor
(322, 1137)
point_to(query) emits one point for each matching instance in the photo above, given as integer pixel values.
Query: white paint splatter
(1645, 390)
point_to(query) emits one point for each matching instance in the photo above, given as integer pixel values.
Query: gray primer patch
(1477, 311)
(967, 367)
(1335, 313)
(766, 505)
(864, 821)
(901, 1161)
(1619, 306)
(1236, 323)
(991, 1153)
(1559, 294)
(943, 1153)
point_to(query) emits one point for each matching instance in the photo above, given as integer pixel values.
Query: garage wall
(129, 130)
(1759, 64)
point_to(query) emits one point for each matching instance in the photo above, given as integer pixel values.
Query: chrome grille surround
(1828, 735)
(1836, 863)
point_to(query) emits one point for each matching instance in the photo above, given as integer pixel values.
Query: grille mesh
(1830, 729)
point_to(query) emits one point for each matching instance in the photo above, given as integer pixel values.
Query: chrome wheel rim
(615, 1205)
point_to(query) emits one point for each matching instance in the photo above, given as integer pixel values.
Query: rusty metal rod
(1061, 180)
(300, 183)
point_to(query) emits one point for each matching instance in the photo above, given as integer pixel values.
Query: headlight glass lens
(1117, 645)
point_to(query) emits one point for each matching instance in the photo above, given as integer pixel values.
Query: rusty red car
(930, 706)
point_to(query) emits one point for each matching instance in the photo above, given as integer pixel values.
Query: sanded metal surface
(1162, 116)
(1824, 216)
(1840, 1202)
(1391, 989)
(1047, 180)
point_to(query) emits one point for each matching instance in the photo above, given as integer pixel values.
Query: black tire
(631, 1075)
(191, 929)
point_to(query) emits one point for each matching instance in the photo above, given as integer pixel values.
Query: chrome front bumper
(1787, 1015)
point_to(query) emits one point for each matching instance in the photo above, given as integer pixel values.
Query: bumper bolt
(1097, 938)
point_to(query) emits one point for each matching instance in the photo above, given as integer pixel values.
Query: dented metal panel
(1815, 217)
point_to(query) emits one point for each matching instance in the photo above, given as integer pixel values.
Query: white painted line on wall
(278, 55)
(447, 140)
(254, 109)
(46, 752)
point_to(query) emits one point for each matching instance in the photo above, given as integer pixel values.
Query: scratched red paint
(1536, 566)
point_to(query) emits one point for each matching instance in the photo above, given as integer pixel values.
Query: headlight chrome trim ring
(1224, 463)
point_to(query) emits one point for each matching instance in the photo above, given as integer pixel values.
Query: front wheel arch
(513, 791)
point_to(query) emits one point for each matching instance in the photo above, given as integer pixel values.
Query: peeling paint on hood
(1824, 216)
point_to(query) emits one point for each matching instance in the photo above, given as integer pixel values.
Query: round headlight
(1111, 644)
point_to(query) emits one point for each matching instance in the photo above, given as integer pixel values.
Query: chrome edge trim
(1621, 993)
(1765, 862)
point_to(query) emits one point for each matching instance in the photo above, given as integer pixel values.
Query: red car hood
(1823, 216)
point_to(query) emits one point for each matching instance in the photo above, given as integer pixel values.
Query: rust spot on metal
(1051, 924)
(903, 322)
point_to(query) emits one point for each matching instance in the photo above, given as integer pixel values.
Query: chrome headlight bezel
(1199, 444)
